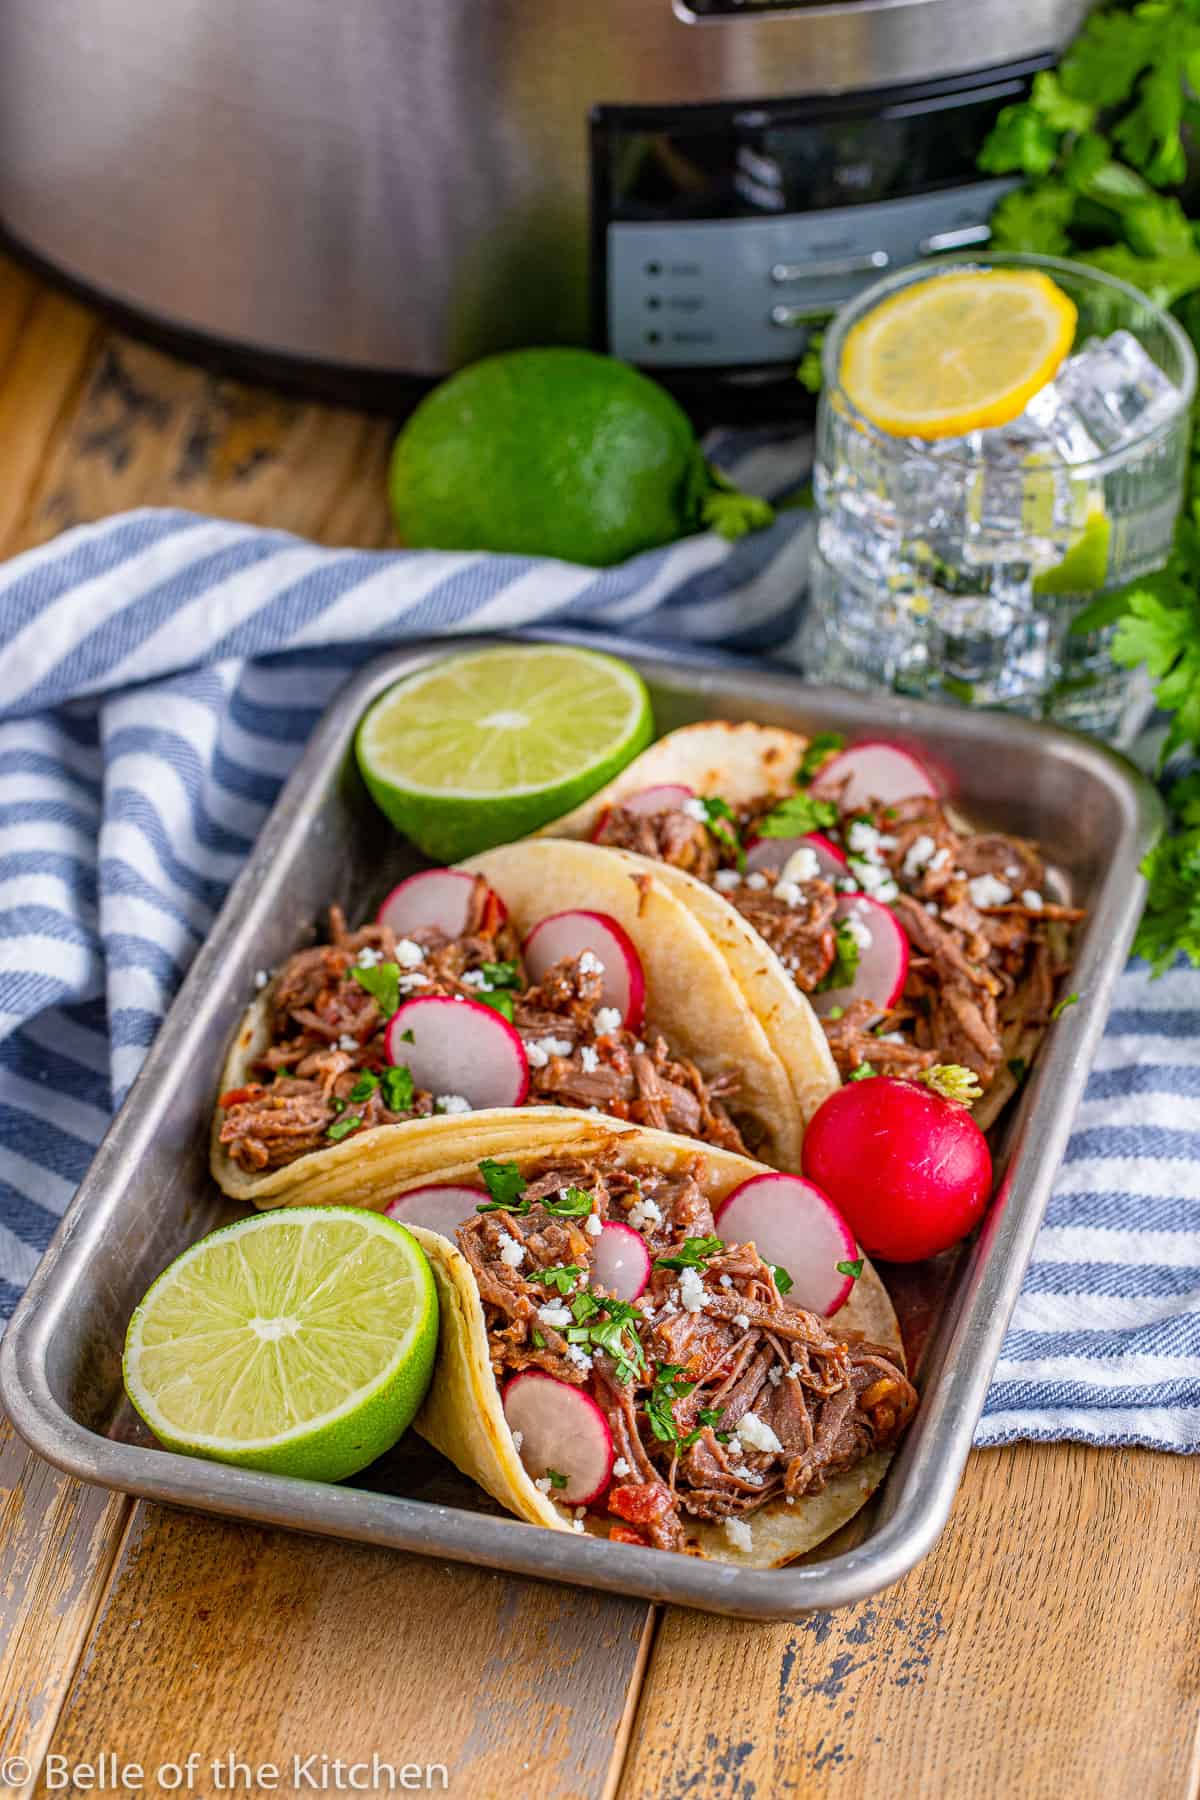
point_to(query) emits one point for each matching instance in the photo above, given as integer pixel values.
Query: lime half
(299, 1341)
(481, 749)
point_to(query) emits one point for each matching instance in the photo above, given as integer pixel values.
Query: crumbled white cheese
(874, 878)
(745, 1474)
(846, 884)
(590, 964)
(734, 1446)
(789, 892)
(802, 865)
(579, 1356)
(475, 978)
(1013, 872)
(859, 930)
(346, 1042)
(741, 1321)
(261, 979)
(639, 1047)
(368, 958)
(554, 1313)
(940, 860)
(931, 907)
(892, 1037)
(775, 1375)
(756, 880)
(544, 1483)
(590, 1059)
(518, 1438)
(452, 1103)
(793, 1371)
(511, 1252)
(593, 1225)
(621, 1468)
(608, 1019)
(727, 1281)
(791, 1499)
(538, 1051)
(577, 1524)
(408, 984)
(739, 1534)
(919, 855)
(988, 890)
(726, 880)
(408, 954)
(695, 809)
(864, 838)
(757, 1433)
(691, 1290)
(535, 1056)
(644, 1212)
(1032, 899)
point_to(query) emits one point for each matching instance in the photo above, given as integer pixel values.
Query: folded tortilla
(462, 1415)
(693, 996)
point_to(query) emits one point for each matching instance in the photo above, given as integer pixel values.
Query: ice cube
(1022, 501)
(1107, 395)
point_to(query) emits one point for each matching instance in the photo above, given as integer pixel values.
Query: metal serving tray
(148, 1193)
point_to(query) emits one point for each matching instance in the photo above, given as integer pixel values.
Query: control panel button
(841, 265)
(955, 240)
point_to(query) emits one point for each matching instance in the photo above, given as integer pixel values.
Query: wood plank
(1049, 1646)
(217, 1636)
(59, 1540)
(52, 345)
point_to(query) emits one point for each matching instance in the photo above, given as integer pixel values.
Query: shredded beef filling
(323, 1076)
(767, 1402)
(979, 974)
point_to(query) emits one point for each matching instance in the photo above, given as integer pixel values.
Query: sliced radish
(875, 771)
(561, 1429)
(437, 897)
(441, 1207)
(777, 853)
(573, 933)
(460, 1049)
(882, 955)
(793, 1225)
(621, 1261)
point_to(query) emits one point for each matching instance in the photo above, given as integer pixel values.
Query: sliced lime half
(300, 1341)
(480, 749)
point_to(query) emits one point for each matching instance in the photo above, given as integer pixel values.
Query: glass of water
(969, 567)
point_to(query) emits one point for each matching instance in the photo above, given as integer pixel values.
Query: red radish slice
(667, 796)
(876, 771)
(882, 962)
(570, 934)
(792, 1224)
(776, 853)
(621, 1261)
(438, 897)
(561, 1429)
(441, 1207)
(459, 1048)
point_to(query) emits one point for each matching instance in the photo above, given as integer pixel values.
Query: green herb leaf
(406, 1037)
(659, 1406)
(864, 1072)
(383, 984)
(952, 1081)
(585, 1307)
(506, 1185)
(710, 1415)
(365, 1086)
(399, 1089)
(538, 1341)
(502, 974)
(844, 967)
(797, 816)
(729, 512)
(343, 1127)
(852, 1269)
(722, 823)
(555, 1479)
(1057, 1011)
(563, 1276)
(572, 1203)
(783, 1280)
(500, 1002)
(821, 747)
(694, 1254)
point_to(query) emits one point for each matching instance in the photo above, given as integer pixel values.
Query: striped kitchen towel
(159, 674)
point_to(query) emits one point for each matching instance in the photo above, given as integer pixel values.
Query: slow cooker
(389, 191)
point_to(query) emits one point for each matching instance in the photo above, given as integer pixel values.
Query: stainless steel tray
(148, 1193)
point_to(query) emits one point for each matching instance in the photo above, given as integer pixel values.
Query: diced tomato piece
(601, 821)
(235, 1096)
(642, 1504)
(621, 1534)
(493, 915)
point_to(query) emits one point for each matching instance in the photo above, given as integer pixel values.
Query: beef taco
(546, 974)
(842, 879)
(703, 1413)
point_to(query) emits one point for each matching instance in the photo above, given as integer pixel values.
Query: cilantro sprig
(562, 1276)
(821, 747)
(722, 823)
(506, 1185)
(382, 983)
(846, 954)
(694, 1253)
(797, 816)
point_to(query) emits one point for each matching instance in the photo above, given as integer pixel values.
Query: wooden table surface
(1049, 1646)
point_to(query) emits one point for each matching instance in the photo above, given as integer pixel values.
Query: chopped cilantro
(383, 984)
(539, 1342)
(563, 1276)
(952, 1081)
(695, 1252)
(502, 974)
(722, 823)
(344, 1126)
(620, 1339)
(406, 1037)
(852, 1269)
(836, 1012)
(506, 1185)
(659, 1407)
(709, 1415)
(399, 1090)
(797, 816)
(820, 749)
(500, 1002)
(572, 1203)
(846, 953)
(864, 1072)
(585, 1306)
(1057, 1011)
(555, 1479)
(783, 1280)
(365, 1086)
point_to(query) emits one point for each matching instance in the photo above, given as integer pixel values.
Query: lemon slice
(958, 352)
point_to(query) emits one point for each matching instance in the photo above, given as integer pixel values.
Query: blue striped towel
(159, 674)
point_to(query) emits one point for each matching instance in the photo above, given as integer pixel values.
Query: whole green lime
(559, 453)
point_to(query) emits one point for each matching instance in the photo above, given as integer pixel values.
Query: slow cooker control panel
(721, 235)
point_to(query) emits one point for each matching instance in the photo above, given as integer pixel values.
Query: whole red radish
(908, 1168)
